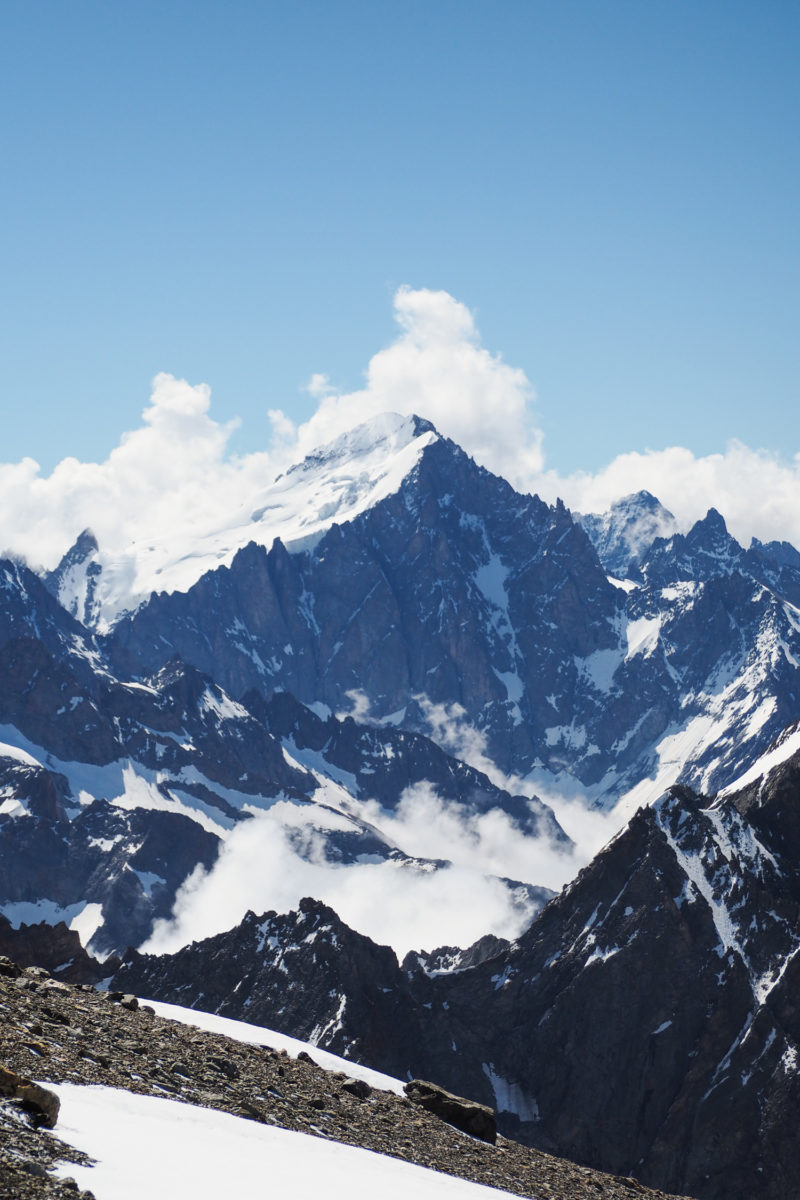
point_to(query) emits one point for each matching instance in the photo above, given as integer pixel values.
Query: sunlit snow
(335, 484)
(162, 1149)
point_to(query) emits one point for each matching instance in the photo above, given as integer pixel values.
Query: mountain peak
(625, 532)
(714, 521)
(383, 435)
(331, 485)
(74, 580)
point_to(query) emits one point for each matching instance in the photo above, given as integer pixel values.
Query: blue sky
(234, 192)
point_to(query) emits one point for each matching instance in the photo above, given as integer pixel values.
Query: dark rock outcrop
(475, 1119)
(56, 948)
(42, 1103)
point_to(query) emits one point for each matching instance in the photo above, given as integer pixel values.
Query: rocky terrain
(53, 1031)
(113, 791)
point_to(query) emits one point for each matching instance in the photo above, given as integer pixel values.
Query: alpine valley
(232, 765)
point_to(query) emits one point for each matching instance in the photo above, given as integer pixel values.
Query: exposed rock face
(645, 1023)
(384, 762)
(55, 948)
(112, 792)
(451, 589)
(304, 973)
(456, 590)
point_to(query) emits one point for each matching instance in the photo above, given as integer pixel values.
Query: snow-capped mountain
(624, 534)
(113, 792)
(453, 617)
(343, 479)
(353, 693)
(450, 588)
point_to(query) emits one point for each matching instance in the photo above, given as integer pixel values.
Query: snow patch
(510, 1097)
(642, 635)
(184, 1150)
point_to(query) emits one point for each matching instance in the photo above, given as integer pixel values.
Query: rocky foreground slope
(59, 1032)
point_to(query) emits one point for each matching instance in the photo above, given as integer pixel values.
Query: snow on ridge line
(771, 758)
(159, 1148)
(333, 485)
(258, 1035)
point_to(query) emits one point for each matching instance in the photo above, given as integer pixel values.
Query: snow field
(162, 1149)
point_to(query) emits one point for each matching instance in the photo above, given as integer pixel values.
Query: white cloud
(757, 493)
(425, 825)
(169, 475)
(175, 475)
(534, 862)
(438, 369)
(402, 906)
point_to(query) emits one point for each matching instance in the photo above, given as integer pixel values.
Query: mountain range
(391, 643)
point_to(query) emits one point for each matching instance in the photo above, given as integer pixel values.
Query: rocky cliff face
(644, 1023)
(112, 792)
(452, 590)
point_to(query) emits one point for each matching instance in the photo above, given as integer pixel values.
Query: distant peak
(714, 522)
(84, 545)
(422, 425)
(623, 535)
(640, 499)
(82, 549)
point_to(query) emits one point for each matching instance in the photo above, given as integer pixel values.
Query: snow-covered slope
(163, 1149)
(257, 1035)
(335, 484)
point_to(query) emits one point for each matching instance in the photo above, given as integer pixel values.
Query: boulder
(472, 1118)
(43, 1104)
(357, 1087)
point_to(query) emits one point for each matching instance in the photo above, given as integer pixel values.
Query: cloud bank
(408, 908)
(279, 856)
(175, 473)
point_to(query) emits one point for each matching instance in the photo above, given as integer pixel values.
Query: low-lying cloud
(264, 865)
(590, 829)
(279, 856)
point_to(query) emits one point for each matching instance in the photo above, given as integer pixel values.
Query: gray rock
(476, 1119)
(41, 1102)
(357, 1087)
